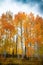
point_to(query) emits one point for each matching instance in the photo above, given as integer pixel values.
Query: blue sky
(15, 6)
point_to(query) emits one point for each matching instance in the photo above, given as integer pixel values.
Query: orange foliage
(8, 26)
(30, 24)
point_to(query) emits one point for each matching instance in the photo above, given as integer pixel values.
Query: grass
(20, 61)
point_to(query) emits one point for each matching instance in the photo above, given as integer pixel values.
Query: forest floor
(19, 61)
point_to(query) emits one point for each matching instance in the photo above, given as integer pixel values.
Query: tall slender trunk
(30, 39)
(16, 41)
(21, 39)
(25, 40)
(25, 48)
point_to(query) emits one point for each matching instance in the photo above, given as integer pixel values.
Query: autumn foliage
(21, 32)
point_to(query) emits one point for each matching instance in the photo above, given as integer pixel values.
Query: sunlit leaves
(27, 29)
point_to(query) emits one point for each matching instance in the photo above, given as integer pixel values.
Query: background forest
(21, 34)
